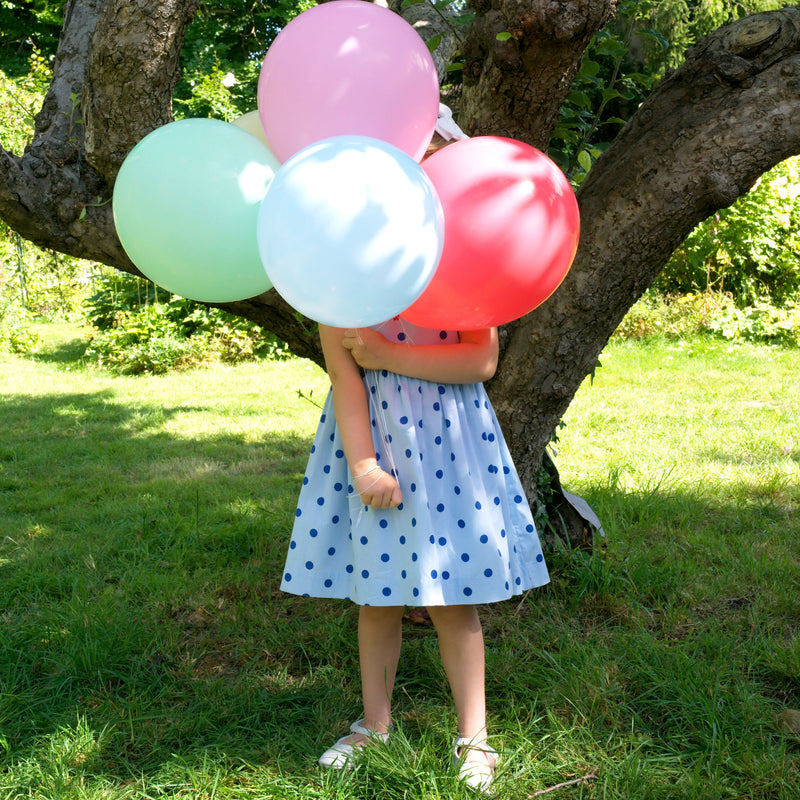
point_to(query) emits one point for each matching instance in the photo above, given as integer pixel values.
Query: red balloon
(511, 229)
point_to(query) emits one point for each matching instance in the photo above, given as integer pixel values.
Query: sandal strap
(357, 727)
(471, 744)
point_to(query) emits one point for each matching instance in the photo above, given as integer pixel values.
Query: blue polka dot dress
(464, 531)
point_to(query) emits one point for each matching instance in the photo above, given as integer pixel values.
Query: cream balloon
(251, 122)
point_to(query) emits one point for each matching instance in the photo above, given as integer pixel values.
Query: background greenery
(737, 276)
(146, 651)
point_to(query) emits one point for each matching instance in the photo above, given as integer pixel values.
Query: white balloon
(350, 231)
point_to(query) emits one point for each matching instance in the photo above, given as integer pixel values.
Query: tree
(699, 141)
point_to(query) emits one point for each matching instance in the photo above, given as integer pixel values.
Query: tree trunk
(114, 73)
(699, 142)
(516, 86)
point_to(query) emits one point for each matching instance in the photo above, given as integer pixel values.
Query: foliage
(751, 250)
(684, 22)
(33, 282)
(118, 293)
(222, 54)
(606, 91)
(28, 27)
(145, 341)
(43, 283)
(682, 316)
(219, 94)
(16, 328)
(623, 64)
(760, 322)
(143, 329)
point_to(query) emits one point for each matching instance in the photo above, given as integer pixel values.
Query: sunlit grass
(146, 651)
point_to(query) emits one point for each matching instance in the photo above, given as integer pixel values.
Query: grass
(146, 651)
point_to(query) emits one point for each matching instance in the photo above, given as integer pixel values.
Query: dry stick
(587, 777)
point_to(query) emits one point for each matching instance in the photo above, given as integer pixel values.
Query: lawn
(146, 651)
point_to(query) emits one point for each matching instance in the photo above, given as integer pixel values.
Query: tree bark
(699, 142)
(125, 97)
(516, 86)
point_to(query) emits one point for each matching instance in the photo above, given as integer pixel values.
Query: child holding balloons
(411, 498)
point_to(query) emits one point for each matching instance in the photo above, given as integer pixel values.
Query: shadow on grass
(139, 578)
(64, 345)
(139, 597)
(64, 353)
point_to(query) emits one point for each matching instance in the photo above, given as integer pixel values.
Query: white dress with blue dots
(464, 531)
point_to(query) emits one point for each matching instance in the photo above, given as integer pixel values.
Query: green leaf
(585, 160)
(658, 38)
(578, 178)
(589, 68)
(611, 47)
(504, 36)
(580, 99)
(434, 42)
(611, 94)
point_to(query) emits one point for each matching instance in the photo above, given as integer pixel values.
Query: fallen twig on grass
(589, 776)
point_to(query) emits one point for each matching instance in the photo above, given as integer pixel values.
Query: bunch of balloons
(321, 194)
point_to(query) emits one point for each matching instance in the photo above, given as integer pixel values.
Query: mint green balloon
(186, 202)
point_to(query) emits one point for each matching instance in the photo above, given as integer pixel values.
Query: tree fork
(698, 143)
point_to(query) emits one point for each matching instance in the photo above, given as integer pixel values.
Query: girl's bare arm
(473, 359)
(376, 487)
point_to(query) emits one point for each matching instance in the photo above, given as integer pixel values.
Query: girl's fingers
(383, 492)
(397, 496)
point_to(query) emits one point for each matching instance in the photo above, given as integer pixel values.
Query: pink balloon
(348, 67)
(511, 229)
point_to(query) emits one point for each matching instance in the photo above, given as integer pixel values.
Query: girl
(411, 498)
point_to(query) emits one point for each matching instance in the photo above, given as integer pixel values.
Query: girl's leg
(461, 648)
(379, 638)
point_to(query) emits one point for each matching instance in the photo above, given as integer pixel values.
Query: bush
(760, 322)
(142, 329)
(116, 294)
(16, 333)
(710, 313)
(750, 250)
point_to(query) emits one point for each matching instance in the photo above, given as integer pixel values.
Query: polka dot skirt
(463, 533)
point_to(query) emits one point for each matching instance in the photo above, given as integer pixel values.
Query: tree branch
(697, 144)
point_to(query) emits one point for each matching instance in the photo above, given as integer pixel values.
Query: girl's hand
(368, 348)
(378, 489)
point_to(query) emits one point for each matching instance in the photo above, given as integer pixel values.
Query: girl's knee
(380, 614)
(465, 616)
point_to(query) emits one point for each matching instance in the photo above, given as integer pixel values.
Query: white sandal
(342, 753)
(476, 774)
